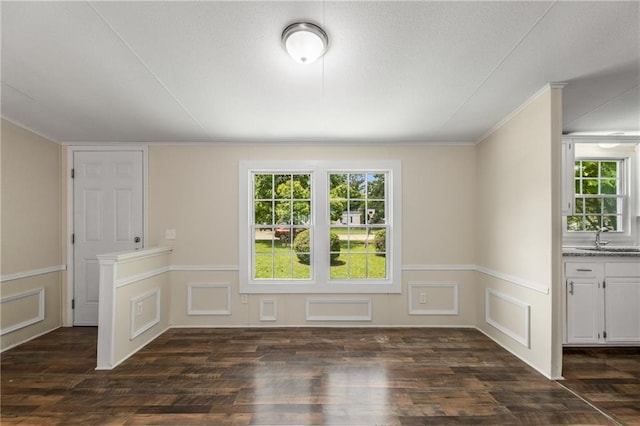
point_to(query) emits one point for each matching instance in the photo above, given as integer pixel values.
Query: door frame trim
(67, 317)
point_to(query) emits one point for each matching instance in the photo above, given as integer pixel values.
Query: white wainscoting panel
(431, 298)
(143, 276)
(208, 299)
(268, 310)
(32, 273)
(509, 315)
(24, 308)
(514, 280)
(338, 310)
(145, 312)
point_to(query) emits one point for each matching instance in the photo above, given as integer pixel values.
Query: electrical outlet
(244, 298)
(139, 308)
(423, 297)
(170, 234)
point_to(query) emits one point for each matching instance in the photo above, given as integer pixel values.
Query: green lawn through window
(284, 264)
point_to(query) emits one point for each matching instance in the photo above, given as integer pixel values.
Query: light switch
(170, 234)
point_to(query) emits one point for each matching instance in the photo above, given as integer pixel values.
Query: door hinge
(73, 303)
(604, 334)
(604, 285)
(598, 336)
(73, 238)
(73, 173)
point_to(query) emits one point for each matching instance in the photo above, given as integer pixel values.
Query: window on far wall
(599, 195)
(357, 205)
(321, 226)
(281, 211)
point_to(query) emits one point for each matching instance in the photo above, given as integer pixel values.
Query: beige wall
(194, 190)
(518, 228)
(30, 229)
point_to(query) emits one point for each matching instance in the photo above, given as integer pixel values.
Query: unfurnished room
(320, 212)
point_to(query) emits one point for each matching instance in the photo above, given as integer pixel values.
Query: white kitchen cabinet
(622, 301)
(582, 310)
(602, 301)
(622, 307)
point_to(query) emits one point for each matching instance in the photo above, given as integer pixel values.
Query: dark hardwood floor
(609, 378)
(346, 376)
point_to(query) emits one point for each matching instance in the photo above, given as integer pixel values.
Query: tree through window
(599, 196)
(282, 210)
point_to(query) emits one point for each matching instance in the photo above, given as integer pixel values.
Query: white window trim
(320, 282)
(629, 177)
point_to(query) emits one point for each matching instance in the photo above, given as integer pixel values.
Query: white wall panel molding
(514, 280)
(327, 143)
(439, 267)
(436, 298)
(32, 273)
(235, 268)
(38, 315)
(337, 309)
(197, 303)
(139, 277)
(508, 278)
(204, 268)
(138, 305)
(268, 310)
(508, 315)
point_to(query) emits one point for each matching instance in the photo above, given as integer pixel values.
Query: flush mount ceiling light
(305, 42)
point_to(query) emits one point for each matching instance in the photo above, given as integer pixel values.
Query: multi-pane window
(282, 214)
(320, 226)
(357, 205)
(599, 196)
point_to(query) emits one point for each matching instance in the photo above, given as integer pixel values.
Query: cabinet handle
(571, 287)
(583, 270)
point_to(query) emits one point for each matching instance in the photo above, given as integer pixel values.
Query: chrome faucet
(599, 243)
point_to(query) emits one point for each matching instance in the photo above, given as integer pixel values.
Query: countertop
(589, 252)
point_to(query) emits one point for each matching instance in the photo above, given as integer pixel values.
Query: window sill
(313, 288)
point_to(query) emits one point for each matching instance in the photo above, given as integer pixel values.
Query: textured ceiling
(394, 71)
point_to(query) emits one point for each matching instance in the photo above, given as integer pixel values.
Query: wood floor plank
(332, 376)
(608, 377)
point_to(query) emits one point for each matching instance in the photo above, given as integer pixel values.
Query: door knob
(136, 240)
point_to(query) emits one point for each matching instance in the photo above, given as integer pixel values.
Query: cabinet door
(622, 308)
(583, 310)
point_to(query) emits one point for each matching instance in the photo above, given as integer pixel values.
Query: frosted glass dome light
(304, 42)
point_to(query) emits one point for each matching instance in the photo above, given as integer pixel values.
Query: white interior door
(108, 218)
